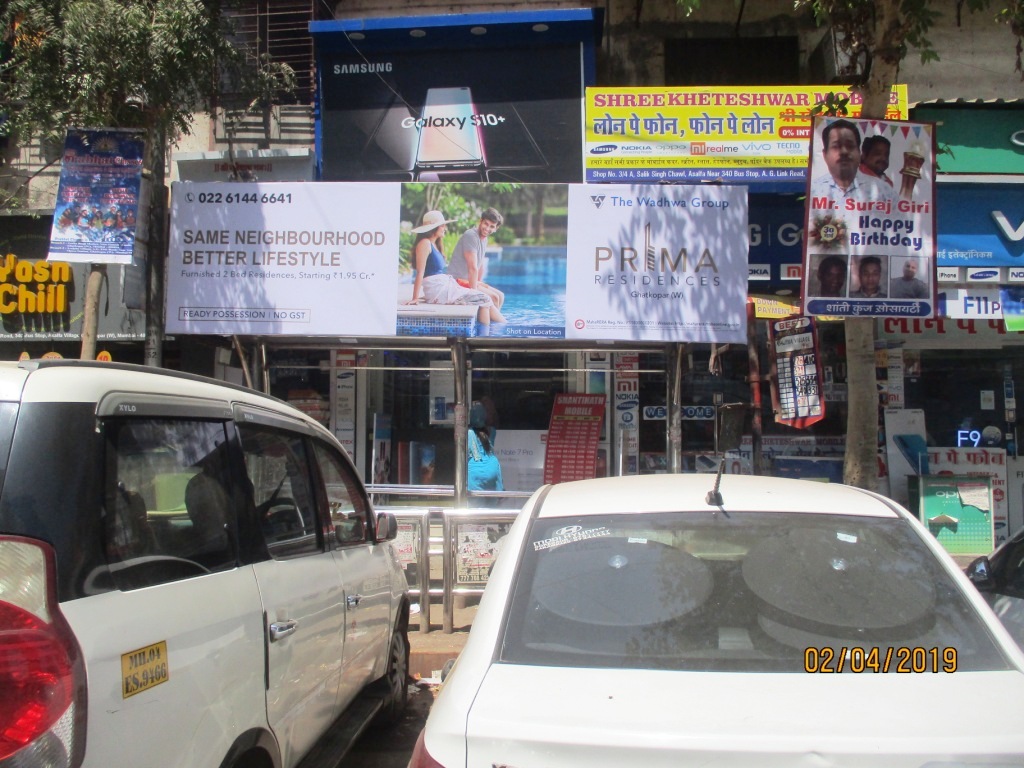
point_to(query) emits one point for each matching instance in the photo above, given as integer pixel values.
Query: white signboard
(657, 263)
(286, 258)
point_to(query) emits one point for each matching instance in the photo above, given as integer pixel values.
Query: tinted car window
(278, 468)
(347, 506)
(742, 591)
(168, 510)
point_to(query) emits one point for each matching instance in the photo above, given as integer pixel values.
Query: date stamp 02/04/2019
(902, 659)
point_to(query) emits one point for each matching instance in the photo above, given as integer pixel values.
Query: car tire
(394, 685)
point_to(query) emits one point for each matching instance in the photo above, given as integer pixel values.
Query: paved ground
(391, 747)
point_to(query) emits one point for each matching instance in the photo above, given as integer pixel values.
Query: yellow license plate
(143, 669)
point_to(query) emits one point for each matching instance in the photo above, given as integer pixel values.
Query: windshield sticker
(849, 538)
(636, 540)
(568, 535)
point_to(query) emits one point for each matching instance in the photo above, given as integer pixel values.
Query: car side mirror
(387, 527)
(979, 571)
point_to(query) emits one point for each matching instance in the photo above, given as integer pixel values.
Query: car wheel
(394, 686)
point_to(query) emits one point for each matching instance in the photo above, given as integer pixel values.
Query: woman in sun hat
(433, 282)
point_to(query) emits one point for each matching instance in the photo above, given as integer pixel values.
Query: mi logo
(598, 200)
(698, 148)
(1014, 235)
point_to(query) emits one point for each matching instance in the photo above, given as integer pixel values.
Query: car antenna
(714, 497)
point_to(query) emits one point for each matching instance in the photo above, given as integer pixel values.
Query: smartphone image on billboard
(449, 138)
(386, 136)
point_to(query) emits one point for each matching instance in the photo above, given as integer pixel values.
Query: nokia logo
(363, 68)
(598, 200)
(1014, 235)
(603, 149)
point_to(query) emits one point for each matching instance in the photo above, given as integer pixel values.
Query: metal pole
(424, 568)
(754, 366)
(676, 353)
(449, 549)
(458, 347)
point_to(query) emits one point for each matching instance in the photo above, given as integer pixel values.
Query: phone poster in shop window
(795, 344)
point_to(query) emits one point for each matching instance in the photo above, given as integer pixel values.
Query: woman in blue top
(432, 280)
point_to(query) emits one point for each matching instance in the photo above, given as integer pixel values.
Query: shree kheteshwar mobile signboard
(869, 244)
(328, 259)
(735, 135)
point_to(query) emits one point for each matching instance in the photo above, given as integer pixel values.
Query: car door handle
(353, 600)
(281, 629)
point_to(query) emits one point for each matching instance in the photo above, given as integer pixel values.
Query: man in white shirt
(845, 187)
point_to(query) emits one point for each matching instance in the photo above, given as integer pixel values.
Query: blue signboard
(980, 225)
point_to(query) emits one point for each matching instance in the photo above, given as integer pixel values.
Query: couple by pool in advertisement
(444, 288)
(460, 280)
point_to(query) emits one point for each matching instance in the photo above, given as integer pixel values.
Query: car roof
(688, 492)
(87, 381)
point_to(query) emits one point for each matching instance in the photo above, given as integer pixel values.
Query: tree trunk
(91, 310)
(860, 467)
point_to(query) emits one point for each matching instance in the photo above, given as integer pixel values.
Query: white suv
(191, 574)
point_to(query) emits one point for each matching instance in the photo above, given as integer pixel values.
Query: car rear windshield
(739, 591)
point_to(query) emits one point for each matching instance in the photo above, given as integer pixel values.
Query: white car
(659, 621)
(191, 575)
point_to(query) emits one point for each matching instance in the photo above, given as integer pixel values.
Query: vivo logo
(1014, 235)
(604, 149)
(749, 146)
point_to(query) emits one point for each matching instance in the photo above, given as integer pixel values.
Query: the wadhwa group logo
(598, 200)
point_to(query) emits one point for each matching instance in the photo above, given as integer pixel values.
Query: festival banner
(97, 206)
(573, 435)
(734, 134)
(795, 346)
(869, 245)
(657, 263)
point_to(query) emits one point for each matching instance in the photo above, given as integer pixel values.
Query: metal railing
(447, 553)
